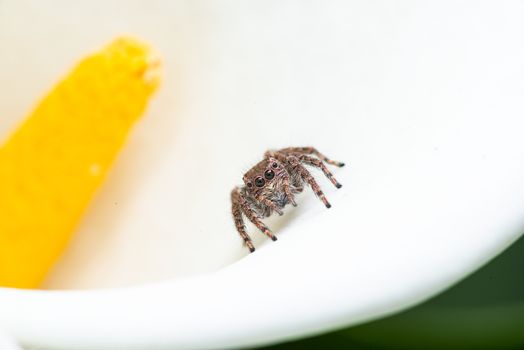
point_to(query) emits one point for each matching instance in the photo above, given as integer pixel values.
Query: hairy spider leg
(311, 150)
(306, 176)
(287, 190)
(241, 228)
(270, 204)
(318, 163)
(253, 217)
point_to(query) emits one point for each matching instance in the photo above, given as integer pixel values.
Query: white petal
(423, 102)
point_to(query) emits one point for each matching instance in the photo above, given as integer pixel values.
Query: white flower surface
(421, 100)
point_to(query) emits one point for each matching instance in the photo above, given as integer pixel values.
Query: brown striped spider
(272, 183)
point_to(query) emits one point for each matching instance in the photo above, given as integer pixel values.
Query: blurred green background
(484, 311)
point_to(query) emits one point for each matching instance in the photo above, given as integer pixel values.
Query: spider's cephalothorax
(271, 184)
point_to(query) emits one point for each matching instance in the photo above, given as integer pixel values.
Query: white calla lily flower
(423, 101)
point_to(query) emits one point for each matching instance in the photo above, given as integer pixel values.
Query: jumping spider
(272, 183)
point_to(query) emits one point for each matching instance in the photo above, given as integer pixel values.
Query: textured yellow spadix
(52, 165)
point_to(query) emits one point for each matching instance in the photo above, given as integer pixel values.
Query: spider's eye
(274, 165)
(269, 174)
(259, 182)
(249, 184)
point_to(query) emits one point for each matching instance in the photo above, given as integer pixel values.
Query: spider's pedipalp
(272, 205)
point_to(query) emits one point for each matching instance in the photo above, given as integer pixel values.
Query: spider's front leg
(318, 163)
(307, 177)
(248, 211)
(239, 221)
(287, 190)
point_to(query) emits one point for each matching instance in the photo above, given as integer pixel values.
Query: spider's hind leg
(314, 151)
